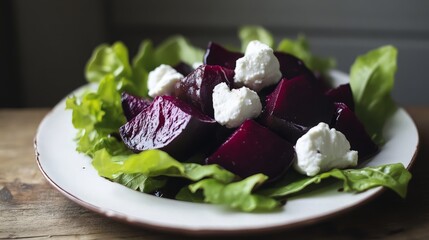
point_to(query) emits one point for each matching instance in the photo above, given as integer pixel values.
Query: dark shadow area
(45, 44)
(10, 94)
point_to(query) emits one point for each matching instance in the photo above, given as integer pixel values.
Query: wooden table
(31, 208)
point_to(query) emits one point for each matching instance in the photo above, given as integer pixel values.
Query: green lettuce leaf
(371, 81)
(186, 195)
(98, 115)
(250, 33)
(144, 57)
(154, 163)
(177, 49)
(393, 176)
(140, 182)
(108, 60)
(112, 145)
(142, 64)
(301, 49)
(236, 195)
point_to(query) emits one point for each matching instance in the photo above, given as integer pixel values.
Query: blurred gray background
(45, 43)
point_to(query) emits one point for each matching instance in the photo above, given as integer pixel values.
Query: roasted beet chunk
(342, 93)
(346, 122)
(291, 66)
(294, 107)
(132, 105)
(197, 87)
(253, 149)
(168, 124)
(183, 68)
(217, 55)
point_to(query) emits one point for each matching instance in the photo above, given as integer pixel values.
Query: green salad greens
(371, 79)
(97, 115)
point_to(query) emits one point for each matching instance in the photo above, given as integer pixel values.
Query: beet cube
(133, 105)
(183, 68)
(346, 122)
(197, 87)
(253, 149)
(218, 55)
(294, 107)
(168, 124)
(291, 66)
(342, 93)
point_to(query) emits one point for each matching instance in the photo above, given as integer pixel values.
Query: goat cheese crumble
(233, 107)
(162, 79)
(322, 149)
(258, 68)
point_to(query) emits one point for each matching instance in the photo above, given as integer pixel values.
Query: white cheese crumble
(233, 107)
(162, 79)
(258, 68)
(322, 149)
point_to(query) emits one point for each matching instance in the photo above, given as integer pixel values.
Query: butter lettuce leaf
(140, 182)
(108, 60)
(98, 115)
(142, 64)
(148, 171)
(153, 163)
(177, 49)
(186, 195)
(371, 81)
(238, 195)
(392, 176)
(250, 33)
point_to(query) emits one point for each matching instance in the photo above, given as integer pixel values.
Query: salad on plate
(242, 128)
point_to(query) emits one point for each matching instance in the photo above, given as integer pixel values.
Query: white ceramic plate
(73, 175)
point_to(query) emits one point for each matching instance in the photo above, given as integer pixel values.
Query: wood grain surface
(31, 208)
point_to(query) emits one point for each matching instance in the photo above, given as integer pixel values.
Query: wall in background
(54, 39)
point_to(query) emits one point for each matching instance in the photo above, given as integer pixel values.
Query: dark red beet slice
(253, 149)
(183, 68)
(346, 122)
(197, 87)
(294, 107)
(322, 80)
(133, 105)
(168, 124)
(291, 66)
(342, 93)
(218, 55)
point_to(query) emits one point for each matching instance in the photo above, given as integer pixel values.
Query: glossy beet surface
(168, 124)
(253, 149)
(294, 107)
(342, 93)
(291, 66)
(197, 87)
(183, 68)
(346, 122)
(218, 55)
(132, 105)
